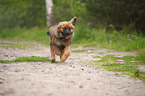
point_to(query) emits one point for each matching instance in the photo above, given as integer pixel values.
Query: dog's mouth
(67, 36)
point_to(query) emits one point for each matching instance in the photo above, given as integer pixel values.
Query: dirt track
(71, 78)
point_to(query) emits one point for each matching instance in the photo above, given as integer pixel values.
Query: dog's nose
(67, 33)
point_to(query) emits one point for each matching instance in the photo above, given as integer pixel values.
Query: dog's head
(66, 29)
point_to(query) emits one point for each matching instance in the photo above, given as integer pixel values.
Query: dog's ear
(74, 20)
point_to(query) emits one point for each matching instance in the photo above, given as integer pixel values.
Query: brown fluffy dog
(61, 39)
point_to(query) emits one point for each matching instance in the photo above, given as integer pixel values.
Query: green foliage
(22, 13)
(27, 59)
(64, 10)
(83, 33)
(119, 13)
(127, 15)
(125, 42)
(89, 37)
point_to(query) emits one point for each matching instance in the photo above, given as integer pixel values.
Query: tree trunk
(49, 12)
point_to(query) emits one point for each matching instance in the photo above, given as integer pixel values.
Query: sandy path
(71, 78)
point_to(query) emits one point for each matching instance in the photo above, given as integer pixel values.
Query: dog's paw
(52, 60)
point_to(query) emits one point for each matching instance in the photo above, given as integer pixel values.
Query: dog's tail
(48, 33)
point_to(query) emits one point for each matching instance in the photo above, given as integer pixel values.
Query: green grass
(108, 58)
(27, 59)
(90, 52)
(84, 36)
(101, 53)
(121, 64)
(141, 57)
(96, 56)
(21, 45)
(116, 40)
(22, 34)
(79, 51)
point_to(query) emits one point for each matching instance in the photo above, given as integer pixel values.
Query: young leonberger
(61, 39)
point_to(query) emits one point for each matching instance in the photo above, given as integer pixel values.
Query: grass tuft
(79, 51)
(27, 59)
(141, 57)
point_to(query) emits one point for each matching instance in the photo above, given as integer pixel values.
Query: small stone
(16, 70)
(70, 65)
(6, 55)
(107, 93)
(81, 86)
(22, 78)
(116, 74)
(82, 69)
(88, 79)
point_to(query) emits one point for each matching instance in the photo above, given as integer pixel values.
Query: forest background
(113, 24)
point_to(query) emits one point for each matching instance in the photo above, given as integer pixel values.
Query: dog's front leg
(57, 50)
(52, 53)
(66, 53)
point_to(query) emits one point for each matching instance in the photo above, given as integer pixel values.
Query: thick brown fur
(60, 44)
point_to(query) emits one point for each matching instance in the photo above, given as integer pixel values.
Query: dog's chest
(59, 42)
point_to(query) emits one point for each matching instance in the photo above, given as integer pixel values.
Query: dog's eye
(64, 28)
(62, 33)
(69, 28)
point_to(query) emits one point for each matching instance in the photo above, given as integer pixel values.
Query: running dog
(61, 38)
